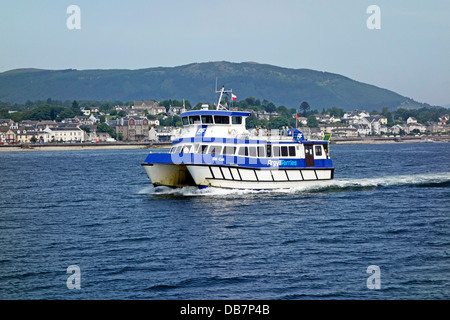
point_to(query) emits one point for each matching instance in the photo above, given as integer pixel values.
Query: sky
(408, 52)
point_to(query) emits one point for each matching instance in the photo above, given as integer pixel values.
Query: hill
(196, 83)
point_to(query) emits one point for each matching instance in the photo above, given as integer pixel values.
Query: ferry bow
(214, 149)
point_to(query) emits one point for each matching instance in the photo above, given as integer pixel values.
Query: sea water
(388, 207)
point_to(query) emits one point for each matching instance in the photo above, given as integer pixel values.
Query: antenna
(222, 91)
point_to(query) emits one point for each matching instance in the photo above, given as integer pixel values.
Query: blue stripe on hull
(209, 159)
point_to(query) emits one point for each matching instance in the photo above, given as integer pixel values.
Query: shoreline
(124, 146)
(80, 146)
(386, 140)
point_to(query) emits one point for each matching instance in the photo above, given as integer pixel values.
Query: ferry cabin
(223, 133)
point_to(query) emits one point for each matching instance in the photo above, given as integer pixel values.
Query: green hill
(196, 83)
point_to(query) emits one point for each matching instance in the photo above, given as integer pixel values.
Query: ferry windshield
(222, 120)
(236, 120)
(194, 119)
(207, 119)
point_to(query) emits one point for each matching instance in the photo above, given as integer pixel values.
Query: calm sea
(388, 207)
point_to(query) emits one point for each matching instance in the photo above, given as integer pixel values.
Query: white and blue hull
(232, 177)
(257, 179)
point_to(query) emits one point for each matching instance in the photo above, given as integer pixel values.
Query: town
(157, 122)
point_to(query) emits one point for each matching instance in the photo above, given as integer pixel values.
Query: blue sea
(379, 231)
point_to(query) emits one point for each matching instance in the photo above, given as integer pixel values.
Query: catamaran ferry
(214, 149)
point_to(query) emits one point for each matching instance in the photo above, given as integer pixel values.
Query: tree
(304, 106)
(103, 127)
(270, 107)
(385, 112)
(336, 112)
(251, 121)
(312, 121)
(75, 105)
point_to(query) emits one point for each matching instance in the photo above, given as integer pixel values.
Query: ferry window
(172, 150)
(236, 120)
(204, 148)
(243, 151)
(284, 151)
(178, 149)
(222, 119)
(215, 150)
(276, 151)
(229, 150)
(252, 151)
(269, 151)
(292, 151)
(194, 119)
(207, 119)
(261, 152)
(318, 150)
(185, 121)
(186, 148)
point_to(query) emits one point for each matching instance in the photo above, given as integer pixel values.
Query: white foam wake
(333, 185)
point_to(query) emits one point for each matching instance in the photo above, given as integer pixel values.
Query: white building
(411, 120)
(66, 134)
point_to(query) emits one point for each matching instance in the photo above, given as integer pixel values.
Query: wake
(431, 180)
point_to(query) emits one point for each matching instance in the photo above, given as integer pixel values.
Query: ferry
(214, 149)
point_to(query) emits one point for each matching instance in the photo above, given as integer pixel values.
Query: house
(6, 122)
(302, 121)
(362, 129)
(66, 134)
(176, 110)
(7, 135)
(330, 127)
(152, 107)
(41, 125)
(87, 111)
(131, 128)
(338, 130)
(85, 120)
(435, 127)
(27, 136)
(263, 115)
(444, 118)
(397, 129)
(100, 136)
(374, 123)
(334, 119)
(414, 126)
(411, 120)
(152, 134)
(381, 119)
(354, 117)
(165, 134)
(345, 132)
(323, 118)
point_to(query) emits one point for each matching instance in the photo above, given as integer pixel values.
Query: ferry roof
(215, 113)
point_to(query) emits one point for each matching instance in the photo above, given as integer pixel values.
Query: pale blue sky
(409, 55)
